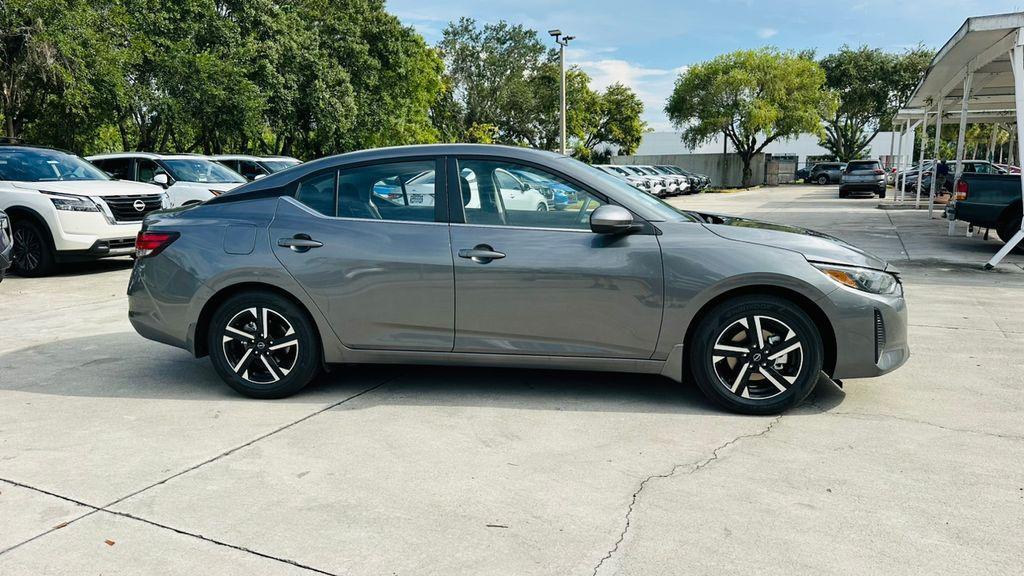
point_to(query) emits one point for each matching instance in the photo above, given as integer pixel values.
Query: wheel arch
(19, 212)
(199, 338)
(818, 316)
(1013, 210)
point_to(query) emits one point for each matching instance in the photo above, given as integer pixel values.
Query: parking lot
(120, 455)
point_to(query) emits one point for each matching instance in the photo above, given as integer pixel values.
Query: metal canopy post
(920, 160)
(1017, 66)
(960, 144)
(935, 159)
(899, 157)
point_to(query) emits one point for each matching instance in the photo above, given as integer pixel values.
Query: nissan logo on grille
(139, 205)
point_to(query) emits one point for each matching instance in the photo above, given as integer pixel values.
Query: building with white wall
(802, 147)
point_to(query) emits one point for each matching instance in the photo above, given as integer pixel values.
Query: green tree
(53, 66)
(501, 82)
(754, 97)
(489, 70)
(869, 85)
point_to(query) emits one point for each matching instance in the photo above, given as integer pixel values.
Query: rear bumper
(877, 187)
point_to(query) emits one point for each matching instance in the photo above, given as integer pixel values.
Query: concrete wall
(802, 146)
(725, 170)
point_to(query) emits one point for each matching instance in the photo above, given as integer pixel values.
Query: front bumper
(91, 234)
(870, 331)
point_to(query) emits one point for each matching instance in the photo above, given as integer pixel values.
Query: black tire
(822, 179)
(881, 194)
(261, 370)
(843, 193)
(542, 207)
(1007, 228)
(33, 254)
(802, 366)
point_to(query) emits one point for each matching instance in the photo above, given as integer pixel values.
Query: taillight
(927, 173)
(152, 243)
(961, 190)
(879, 171)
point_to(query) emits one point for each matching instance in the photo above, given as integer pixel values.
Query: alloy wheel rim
(757, 357)
(260, 345)
(27, 249)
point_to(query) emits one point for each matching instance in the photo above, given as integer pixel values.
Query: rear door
(380, 270)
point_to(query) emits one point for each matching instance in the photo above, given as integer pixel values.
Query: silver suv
(863, 176)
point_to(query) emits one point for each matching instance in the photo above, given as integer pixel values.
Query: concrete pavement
(123, 456)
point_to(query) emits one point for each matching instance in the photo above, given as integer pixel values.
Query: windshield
(41, 165)
(663, 209)
(278, 165)
(201, 170)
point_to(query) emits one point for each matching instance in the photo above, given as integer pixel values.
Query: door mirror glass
(161, 179)
(610, 219)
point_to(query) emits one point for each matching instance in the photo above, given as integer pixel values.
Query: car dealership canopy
(977, 77)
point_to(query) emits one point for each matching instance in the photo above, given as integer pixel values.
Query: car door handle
(481, 254)
(299, 243)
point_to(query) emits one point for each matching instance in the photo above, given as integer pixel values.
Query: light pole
(562, 42)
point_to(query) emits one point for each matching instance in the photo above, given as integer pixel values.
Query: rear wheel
(263, 345)
(823, 179)
(756, 354)
(1008, 228)
(542, 207)
(33, 256)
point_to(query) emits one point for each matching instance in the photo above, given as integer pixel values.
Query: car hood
(814, 245)
(91, 187)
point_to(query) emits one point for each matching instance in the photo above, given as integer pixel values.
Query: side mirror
(258, 176)
(161, 179)
(609, 219)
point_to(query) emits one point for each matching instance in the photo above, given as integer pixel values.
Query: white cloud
(652, 85)
(766, 32)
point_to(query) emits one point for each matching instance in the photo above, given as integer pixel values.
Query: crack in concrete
(898, 236)
(693, 467)
(95, 509)
(106, 508)
(875, 416)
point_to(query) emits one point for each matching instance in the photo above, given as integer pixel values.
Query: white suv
(64, 209)
(188, 178)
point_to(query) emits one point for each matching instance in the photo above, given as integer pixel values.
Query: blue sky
(646, 43)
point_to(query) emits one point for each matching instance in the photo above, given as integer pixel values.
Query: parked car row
(189, 178)
(62, 208)
(660, 181)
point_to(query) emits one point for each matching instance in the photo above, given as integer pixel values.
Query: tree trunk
(748, 174)
(9, 121)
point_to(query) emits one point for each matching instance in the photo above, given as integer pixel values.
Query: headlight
(70, 203)
(874, 281)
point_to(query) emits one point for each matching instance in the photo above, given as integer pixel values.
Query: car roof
(150, 155)
(399, 152)
(4, 145)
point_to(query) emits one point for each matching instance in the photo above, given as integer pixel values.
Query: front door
(380, 269)
(539, 282)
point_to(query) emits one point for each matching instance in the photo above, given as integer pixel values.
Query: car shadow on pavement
(124, 365)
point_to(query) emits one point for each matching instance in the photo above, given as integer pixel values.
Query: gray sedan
(308, 268)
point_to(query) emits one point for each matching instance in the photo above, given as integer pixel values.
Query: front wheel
(823, 179)
(756, 355)
(263, 345)
(32, 254)
(542, 207)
